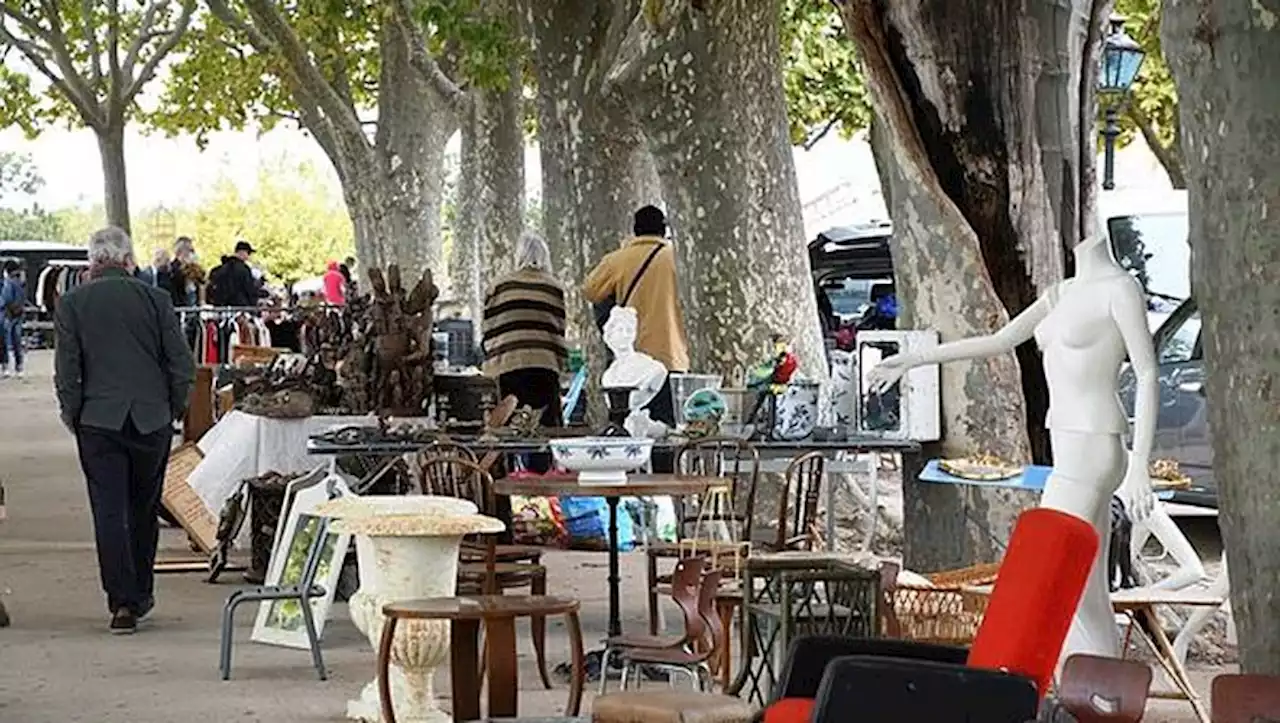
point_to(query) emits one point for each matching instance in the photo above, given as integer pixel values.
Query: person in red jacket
(335, 285)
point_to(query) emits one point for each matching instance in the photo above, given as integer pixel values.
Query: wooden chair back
(685, 581)
(1246, 699)
(1104, 690)
(466, 479)
(710, 613)
(798, 511)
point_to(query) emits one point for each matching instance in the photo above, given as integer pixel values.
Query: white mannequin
(1084, 326)
(632, 369)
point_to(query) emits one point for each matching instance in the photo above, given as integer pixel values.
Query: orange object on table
(1041, 581)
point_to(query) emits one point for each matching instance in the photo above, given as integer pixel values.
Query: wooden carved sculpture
(399, 329)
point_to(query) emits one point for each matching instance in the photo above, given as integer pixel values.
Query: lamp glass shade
(1121, 60)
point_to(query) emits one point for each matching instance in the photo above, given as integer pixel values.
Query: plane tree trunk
(705, 83)
(1223, 55)
(984, 142)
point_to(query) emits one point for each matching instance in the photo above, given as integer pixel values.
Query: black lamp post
(1122, 58)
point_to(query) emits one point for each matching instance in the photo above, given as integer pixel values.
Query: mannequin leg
(1093, 631)
(1201, 617)
(1087, 471)
(1190, 568)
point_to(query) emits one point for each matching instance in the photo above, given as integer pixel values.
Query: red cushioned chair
(1041, 581)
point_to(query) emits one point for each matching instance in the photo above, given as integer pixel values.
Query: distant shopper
(123, 373)
(13, 305)
(348, 269)
(642, 275)
(158, 273)
(335, 285)
(186, 276)
(241, 288)
(523, 331)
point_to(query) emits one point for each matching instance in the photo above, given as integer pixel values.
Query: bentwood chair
(465, 479)
(1246, 699)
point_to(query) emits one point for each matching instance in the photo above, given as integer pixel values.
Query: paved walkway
(58, 664)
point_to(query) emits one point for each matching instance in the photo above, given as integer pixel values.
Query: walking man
(123, 372)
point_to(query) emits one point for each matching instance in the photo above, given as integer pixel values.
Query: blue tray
(1031, 478)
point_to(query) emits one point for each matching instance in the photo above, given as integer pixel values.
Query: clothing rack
(213, 331)
(57, 278)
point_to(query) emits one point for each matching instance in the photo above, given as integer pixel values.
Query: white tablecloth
(241, 446)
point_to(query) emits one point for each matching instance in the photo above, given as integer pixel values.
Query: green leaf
(822, 78)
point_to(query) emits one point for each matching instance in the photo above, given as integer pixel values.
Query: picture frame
(280, 622)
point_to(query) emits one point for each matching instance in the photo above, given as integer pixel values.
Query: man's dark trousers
(125, 471)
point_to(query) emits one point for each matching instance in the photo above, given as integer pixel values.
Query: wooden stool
(1104, 690)
(498, 613)
(669, 707)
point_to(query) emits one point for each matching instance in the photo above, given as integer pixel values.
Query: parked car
(1149, 237)
(853, 279)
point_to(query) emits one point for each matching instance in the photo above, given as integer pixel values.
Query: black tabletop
(861, 445)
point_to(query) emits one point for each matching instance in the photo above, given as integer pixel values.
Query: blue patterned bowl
(602, 460)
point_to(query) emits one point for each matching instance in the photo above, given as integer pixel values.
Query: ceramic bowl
(602, 460)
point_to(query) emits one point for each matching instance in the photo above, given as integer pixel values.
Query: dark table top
(524, 446)
(480, 607)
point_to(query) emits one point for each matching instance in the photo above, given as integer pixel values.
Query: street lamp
(1122, 58)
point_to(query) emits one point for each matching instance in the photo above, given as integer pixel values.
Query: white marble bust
(631, 369)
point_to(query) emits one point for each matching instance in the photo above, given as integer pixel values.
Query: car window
(1182, 344)
(1154, 249)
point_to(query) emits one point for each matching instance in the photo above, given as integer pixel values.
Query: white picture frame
(280, 622)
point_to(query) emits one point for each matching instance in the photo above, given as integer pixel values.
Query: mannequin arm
(1021, 328)
(1130, 314)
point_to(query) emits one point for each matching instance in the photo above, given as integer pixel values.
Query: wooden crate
(183, 503)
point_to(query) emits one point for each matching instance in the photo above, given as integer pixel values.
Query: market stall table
(498, 614)
(638, 485)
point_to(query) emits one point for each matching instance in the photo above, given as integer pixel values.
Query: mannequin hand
(1137, 494)
(888, 372)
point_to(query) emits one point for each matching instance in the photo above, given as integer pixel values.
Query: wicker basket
(948, 613)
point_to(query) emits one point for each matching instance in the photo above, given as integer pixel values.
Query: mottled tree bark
(490, 189)
(705, 83)
(1223, 55)
(596, 169)
(392, 183)
(114, 178)
(984, 114)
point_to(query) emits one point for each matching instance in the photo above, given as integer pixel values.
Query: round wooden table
(498, 614)
(638, 485)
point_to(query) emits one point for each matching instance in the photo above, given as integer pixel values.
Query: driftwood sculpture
(398, 328)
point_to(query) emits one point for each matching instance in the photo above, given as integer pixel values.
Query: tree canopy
(20, 217)
(821, 77)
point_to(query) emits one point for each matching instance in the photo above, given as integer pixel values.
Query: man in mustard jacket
(654, 294)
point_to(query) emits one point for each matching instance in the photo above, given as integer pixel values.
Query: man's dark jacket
(239, 288)
(120, 355)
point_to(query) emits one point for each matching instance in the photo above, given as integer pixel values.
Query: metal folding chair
(303, 592)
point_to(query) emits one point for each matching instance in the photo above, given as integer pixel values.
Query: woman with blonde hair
(523, 331)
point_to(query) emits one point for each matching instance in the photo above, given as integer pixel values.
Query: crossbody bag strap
(640, 274)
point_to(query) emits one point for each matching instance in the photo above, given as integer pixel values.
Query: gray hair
(110, 246)
(160, 257)
(532, 252)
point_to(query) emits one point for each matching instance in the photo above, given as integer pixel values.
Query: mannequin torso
(1086, 326)
(1083, 351)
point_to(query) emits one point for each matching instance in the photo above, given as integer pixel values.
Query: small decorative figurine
(770, 377)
